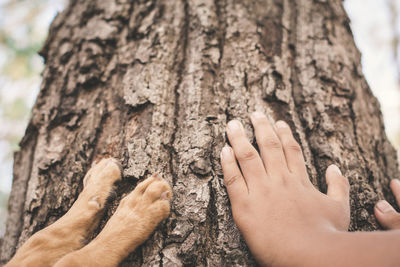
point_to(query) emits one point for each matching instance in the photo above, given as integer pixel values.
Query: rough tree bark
(154, 83)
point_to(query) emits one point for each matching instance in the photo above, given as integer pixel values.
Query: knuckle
(293, 146)
(271, 143)
(247, 155)
(232, 179)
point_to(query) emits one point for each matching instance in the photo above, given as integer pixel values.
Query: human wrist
(311, 248)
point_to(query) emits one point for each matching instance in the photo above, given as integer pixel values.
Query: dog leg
(67, 234)
(135, 219)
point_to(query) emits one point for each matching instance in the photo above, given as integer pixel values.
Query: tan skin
(284, 219)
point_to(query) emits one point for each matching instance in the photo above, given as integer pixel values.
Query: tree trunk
(153, 83)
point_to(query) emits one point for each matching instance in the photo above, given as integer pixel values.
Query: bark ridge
(154, 83)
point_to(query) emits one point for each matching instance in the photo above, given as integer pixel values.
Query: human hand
(387, 216)
(275, 206)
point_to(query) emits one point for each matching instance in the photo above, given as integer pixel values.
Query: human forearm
(367, 248)
(352, 249)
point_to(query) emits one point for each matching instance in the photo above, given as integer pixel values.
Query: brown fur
(136, 217)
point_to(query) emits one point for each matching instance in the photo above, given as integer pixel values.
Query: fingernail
(281, 124)
(226, 152)
(257, 115)
(335, 169)
(234, 125)
(384, 207)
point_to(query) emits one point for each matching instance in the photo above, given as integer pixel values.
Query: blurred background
(23, 29)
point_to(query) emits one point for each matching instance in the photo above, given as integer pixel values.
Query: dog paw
(150, 201)
(99, 180)
(106, 170)
(139, 213)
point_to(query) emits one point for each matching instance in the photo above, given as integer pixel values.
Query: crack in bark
(180, 73)
(220, 12)
(297, 90)
(359, 149)
(134, 33)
